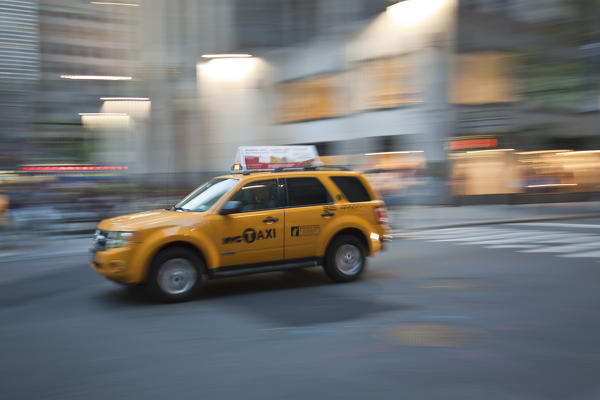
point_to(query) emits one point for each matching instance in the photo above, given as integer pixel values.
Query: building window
(482, 78)
(310, 98)
(385, 83)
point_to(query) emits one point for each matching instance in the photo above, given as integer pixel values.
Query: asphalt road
(433, 318)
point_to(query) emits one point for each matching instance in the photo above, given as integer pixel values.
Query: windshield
(206, 195)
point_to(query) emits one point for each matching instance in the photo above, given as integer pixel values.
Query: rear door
(309, 208)
(358, 200)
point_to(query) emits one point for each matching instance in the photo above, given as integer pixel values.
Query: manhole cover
(429, 335)
(453, 285)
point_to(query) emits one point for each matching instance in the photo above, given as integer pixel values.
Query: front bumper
(115, 264)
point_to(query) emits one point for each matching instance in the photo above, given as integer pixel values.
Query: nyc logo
(251, 235)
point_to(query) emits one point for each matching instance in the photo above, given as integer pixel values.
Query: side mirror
(231, 207)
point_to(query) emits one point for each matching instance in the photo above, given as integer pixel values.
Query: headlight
(118, 239)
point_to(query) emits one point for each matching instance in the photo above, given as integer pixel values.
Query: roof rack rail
(249, 171)
(313, 168)
(340, 167)
(282, 169)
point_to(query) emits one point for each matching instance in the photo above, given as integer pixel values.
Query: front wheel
(345, 259)
(175, 275)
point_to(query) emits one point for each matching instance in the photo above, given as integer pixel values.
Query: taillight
(381, 214)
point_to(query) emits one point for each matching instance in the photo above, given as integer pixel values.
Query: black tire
(352, 252)
(175, 274)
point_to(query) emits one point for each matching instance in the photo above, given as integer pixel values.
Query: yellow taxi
(246, 222)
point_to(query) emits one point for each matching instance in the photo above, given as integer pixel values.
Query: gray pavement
(430, 319)
(25, 245)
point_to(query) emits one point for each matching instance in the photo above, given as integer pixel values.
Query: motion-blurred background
(112, 107)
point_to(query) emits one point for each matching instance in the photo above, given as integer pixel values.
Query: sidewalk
(24, 246)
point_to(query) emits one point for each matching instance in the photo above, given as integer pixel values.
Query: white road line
(479, 231)
(560, 237)
(560, 225)
(471, 239)
(446, 233)
(487, 236)
(569, 248)
(546, 237)
(512, 246)
(591, 254)
(563, 238)
(435, 237)
(516, 237)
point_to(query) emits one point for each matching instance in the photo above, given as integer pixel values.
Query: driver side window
(258, 196)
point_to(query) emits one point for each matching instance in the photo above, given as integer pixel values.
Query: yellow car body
(284, 235)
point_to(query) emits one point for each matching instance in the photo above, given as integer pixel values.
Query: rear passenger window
(306, 192)
(352, 188)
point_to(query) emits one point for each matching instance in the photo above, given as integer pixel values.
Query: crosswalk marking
(470, 238)
(448, 232)
(568, 238)
(558, 242)
(591, 254)
(560, 225)
(512, 246)
(510, 238)
(539, 238)
(463, 235)
(565, 248)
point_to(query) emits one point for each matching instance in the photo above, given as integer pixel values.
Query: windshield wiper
(175, 208)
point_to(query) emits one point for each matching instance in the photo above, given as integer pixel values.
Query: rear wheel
(175, 275)
(345, 258)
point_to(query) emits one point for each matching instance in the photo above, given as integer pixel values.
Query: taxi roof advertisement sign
(271, 157)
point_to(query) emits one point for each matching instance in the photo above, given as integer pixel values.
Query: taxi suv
(243, 223)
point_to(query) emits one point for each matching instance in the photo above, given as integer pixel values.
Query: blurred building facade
(348, 76)
(474, 81)
(520, 78)
(19, 75)
(438, 77)
(81, 45)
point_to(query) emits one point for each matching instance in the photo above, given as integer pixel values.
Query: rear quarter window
(306, 192)
(352, 188)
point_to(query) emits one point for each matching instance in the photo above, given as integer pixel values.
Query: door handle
(270, 220)
(328, 214)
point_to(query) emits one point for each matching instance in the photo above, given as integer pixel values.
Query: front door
(254, 235)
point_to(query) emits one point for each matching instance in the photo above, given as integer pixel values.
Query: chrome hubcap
(177, 276)
(348, 259)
